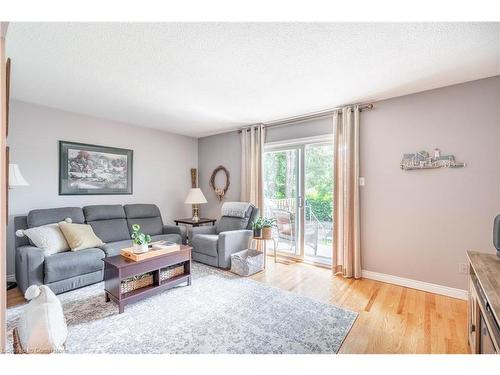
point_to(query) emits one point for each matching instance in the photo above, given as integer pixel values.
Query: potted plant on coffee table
(140, 239)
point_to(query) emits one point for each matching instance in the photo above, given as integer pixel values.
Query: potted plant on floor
(140, 239)
(267, 226)
(257, 227)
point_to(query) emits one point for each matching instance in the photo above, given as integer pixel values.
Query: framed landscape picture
(94, 170)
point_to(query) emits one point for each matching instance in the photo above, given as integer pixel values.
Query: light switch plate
(361, 181)
(463, 268)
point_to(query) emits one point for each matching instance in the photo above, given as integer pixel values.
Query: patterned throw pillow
(80, 236)
(48, 237)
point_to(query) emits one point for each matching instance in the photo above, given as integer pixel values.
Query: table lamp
(15, 176)
(195, 197)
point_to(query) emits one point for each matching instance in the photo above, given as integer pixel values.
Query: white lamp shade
(15, 176)
(195, 196)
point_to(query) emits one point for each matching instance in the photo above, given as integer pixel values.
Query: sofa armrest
(231, 242)
(174, 229)
(29, 266)
(205, 229)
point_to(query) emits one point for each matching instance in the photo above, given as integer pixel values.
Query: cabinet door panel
(486, 345)
(473, 318)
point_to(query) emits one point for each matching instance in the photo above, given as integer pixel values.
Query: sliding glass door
(318, 207)
(298, 185)
(281, 196)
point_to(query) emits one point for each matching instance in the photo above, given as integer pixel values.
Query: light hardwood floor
(392, 319)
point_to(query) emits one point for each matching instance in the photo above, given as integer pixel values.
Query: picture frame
(87, 169)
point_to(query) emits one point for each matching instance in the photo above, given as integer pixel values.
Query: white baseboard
(416, 284)
(11, 277)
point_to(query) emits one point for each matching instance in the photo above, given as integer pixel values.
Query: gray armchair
(213, 245)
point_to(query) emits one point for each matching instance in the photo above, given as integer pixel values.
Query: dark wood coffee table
(118, 268)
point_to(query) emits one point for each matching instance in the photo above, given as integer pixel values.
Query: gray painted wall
(223, 149)
(419, 224)
(162, 162)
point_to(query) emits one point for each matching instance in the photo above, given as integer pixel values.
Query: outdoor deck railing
(290, 205)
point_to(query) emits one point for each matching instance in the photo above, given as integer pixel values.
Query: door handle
(301, 202)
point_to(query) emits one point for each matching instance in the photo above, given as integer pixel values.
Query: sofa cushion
(80, 236)
(111, 230)
(37, 218)
(205, 244)
(147, 216)
(108, 222)
(104, 212)
(61, 266)
(113, 248)
(227, 223)
(134, 211)
(150, 225)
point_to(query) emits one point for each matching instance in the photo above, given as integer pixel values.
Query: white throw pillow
(42, 327)
(48, 237)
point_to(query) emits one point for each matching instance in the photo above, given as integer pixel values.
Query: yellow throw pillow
(79, 236)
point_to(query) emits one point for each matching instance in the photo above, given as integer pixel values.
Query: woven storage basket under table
(172, 271)
(136, 282)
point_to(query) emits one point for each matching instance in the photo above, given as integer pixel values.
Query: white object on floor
(247, 262)
(42, 326)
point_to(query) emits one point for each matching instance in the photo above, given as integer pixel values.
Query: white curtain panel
(346, 222)
(252, 149)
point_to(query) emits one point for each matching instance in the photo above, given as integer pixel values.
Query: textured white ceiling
(203, 78)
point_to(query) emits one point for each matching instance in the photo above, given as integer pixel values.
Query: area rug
(218, 313)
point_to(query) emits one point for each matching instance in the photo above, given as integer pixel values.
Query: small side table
(260, 239)
(190, 221)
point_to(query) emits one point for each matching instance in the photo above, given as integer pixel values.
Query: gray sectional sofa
(74, 269)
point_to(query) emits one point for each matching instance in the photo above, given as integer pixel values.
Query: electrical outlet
(463, 268)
